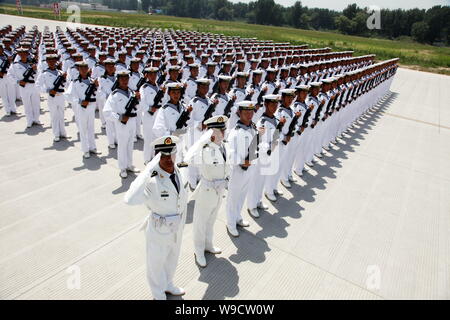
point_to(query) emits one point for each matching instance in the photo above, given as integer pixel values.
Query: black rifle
(319, 109)
(277, 89)
(209, 111)
(4, 66)
(233, 69)
(216, 87)
(140, 83)
(327, 110)
(291, 129)
(115, 85)
(184, 117)
(130, 108)
(157, 101)
(305, 120)
(90, 91)
(252, 151)
(333, 106)
(350, 94)
(161, 79)
(260, 97)
(57, 84)
(27, 75)
(228, 107)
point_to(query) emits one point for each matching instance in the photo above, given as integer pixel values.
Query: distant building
(86, 6)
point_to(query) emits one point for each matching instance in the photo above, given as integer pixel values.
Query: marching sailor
(243, 141)
(151, 97)
(121, 108)
(268, 161)
(23, 72)
(106, 82)
(5, 85)
(82, 94)
(52, 81)
(209, 155)
(174, 117)
(284, 111)
(161, 189)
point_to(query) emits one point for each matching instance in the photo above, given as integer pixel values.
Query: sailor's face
(167, 162)
(110, 68)
(224, 85)
(241, 81)
(246, 115)
(175, 95)
(123, 81)
(287, 100)
(194, 72)
(51, 63)
(302, 95)
(203, 89)
(271, 107)
(151, 76)
(83, 71)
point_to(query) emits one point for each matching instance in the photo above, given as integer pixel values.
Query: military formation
(224, 120)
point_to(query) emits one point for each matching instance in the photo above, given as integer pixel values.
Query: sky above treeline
(339, 5)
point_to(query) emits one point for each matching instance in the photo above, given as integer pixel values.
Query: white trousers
(288, 161)
(7, 98)
(110, 125)
(56, 107)
(85, 122)
(163, 251)
(271, 181)
(302, 152)
(125, 142)
(237, 192)
(31, 102)
(205, 214)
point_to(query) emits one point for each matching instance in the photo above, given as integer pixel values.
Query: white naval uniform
(5, 88)
(214, 171)
(256, 89)
(239, 139)
(304, 140)
(166, 124)
(319, 127)
(191, 89)
(164, 226)
(29, 94)
(233, 117)
(148, 94)
(125, 132)
(284, 149)
(132, 84)
(105, 84)
(223, 99)
(199, 107)
(85, 116)
(268, 161)
(56, 104)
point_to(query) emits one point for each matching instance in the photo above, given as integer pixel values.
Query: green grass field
(412, 54)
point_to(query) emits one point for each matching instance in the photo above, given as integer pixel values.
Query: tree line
(423, 25)
(426, 26)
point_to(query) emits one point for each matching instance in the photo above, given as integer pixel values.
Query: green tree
(350, 11)
(419, 31)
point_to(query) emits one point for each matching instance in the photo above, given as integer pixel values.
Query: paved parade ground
(371, 220)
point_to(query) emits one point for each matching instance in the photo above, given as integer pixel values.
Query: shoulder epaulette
(154, 173)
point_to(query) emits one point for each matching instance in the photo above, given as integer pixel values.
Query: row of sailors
(244, 162)
(103, 75)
